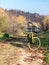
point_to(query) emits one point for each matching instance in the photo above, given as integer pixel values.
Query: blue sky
(33, 6)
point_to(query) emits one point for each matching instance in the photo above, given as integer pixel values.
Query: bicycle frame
(31, 34)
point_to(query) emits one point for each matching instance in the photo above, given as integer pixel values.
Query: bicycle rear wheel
(36, 45)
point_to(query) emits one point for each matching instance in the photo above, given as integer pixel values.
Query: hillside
(16, 21)
(13, 48)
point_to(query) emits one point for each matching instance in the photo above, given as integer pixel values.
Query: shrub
(5, 36)
(47, 58)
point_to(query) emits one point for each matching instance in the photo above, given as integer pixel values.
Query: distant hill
(29, 16)
(17, 20)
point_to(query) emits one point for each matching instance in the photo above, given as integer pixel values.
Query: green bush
(5, 36)
(47, 58)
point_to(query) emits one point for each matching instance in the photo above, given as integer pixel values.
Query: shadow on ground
(21, 40)
(19, 45)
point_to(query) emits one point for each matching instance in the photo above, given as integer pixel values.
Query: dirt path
(14, 55)
(27, 57)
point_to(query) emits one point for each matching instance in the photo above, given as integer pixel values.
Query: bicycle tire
(35, 48)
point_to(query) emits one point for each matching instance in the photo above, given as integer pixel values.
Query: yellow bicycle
(33, 41)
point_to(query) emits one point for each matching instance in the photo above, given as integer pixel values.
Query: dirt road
(30, 58)
(19, 55)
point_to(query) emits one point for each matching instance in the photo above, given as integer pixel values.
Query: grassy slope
(44, 37)
(45, 42)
